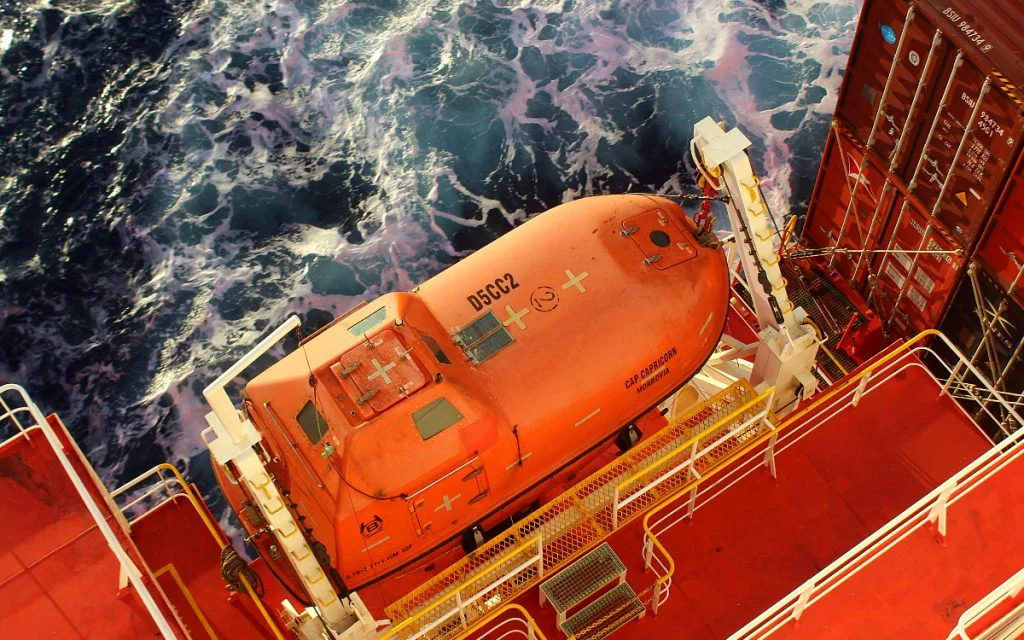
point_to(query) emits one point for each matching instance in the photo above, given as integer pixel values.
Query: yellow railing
(693, 459)
(452, 604)
(188, 491)
(530, 629)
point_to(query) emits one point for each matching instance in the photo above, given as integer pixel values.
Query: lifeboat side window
(434, 347)
(435, 417)
(312, 423)
(483, 338)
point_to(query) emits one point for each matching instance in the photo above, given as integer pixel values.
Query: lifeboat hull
(425, 417)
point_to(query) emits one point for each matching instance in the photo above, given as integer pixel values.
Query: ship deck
(761, 538)
(886, 599)
(59, 577)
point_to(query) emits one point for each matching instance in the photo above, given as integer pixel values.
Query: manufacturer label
(925, 281)
(902, 258)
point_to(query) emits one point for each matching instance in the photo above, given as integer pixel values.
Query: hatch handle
(434, 483)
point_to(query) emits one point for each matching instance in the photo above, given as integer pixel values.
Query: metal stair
(602, 617)
(583, 578)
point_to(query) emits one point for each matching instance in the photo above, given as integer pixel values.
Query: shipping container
(915, 271)
(1002, 250)
(890, 75)
(984, 323)
(938, 108)
(961, 162)
(988, 30)
(832, 221)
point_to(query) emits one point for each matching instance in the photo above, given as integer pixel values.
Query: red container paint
(912, 282)
(833, 222)
(932, 91)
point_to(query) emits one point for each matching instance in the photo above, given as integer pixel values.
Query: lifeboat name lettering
(492, 292)
(655, 371)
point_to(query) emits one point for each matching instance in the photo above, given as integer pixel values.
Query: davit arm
(785, 353)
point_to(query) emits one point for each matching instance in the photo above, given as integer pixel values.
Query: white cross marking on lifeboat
(446, 502)
(381, 372)
(575, 280)
(516, 317)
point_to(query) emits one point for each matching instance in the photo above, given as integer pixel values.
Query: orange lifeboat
(423, 419)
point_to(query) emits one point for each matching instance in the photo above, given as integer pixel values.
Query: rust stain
(19, 471)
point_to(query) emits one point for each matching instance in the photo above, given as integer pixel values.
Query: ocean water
(177, 176)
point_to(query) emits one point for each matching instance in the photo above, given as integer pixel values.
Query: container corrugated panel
(970, 144)
(989, 30)
(978, 126)
(970, 317)
(869, 95)
(911, 283)
(832, 222)
(1002, 250)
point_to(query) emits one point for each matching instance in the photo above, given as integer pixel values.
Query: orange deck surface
(919, 588)
(58, 578)
(762, 538)
(174, 536)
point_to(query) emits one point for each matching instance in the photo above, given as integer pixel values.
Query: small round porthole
(660, 238)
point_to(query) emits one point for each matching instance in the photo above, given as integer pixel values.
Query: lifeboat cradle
(608, 553)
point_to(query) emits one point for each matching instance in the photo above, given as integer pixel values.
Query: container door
(1002, 251)
(971, 145)
(892, 70)
(834, 222)
(914, 278)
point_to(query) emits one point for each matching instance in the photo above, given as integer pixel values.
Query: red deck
(762, 538)
(186, 560)
(58, 577)
(750, 546)
(919, 588)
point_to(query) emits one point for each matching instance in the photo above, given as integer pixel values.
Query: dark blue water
(179, 175)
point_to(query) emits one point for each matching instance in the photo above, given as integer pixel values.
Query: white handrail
(1008, 590)
(218, 398)
(932, 508)
(170, 486)
(662, 589)
(688, 464)
(129, 567)
(526, 632)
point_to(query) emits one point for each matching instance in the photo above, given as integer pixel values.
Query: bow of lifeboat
(423, 415)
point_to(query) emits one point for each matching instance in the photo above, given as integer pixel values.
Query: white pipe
(217, 397)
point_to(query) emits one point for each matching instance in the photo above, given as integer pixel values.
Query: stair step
(582, 578)
(603, 616)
